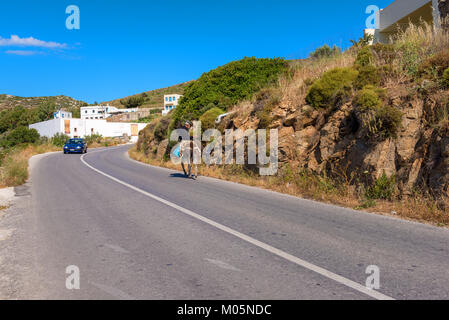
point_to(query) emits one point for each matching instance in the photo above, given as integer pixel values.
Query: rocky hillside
(376, 114)
(373, 120)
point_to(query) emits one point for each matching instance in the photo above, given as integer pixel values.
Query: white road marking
(222, 264)
(116, 248)
(326, 273)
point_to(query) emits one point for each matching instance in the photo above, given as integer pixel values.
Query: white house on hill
(171, 101)
(62, 114)
(103, 112)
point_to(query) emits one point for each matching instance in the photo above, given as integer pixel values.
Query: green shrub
(59, 139)
(446, 77)
(226, 86)
(160, 131)
(93, 138)
(333, 87)
(366, 204)
(209, 117)
(382, 122)
(383, 188)
(368, 75)
(325, 52)
(20, 135)
(364, 57)
(368, 98)
(410, 57)
(389, 121)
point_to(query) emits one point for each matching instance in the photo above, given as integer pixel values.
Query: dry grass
(14, 165)
(14, 168)
(319, 188)
(424, 37)
(105, 142)
(294, 87)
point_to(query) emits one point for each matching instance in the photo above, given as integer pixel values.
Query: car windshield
(74, 141)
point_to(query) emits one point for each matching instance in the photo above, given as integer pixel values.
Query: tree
(325, 52)
(45, 111)
(133, 102)
(362, 42)
(20, 135)
(227, 85)
(11, 119)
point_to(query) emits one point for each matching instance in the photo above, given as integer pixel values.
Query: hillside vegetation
(366, 128)
(149, 99)
(18, 143)
(60, 102)
(226, 86)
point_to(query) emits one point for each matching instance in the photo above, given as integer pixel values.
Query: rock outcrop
(335, 143)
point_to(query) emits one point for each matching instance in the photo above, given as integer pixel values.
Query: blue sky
(127, 47)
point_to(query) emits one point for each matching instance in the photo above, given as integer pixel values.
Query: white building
(171, 101)
(400, 13)
(80, 128)
(60, 114)
(102, 112)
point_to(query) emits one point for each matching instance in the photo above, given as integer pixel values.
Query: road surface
(140, 232)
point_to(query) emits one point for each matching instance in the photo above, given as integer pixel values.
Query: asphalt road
(140, 232)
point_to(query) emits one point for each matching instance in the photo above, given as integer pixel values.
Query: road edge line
(307, 265)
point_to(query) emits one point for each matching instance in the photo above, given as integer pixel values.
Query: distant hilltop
(150, 99)
(9, 101)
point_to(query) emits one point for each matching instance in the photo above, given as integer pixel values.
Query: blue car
(75, 146)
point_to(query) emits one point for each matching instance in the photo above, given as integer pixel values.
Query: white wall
(94, 111)
(398, 10)
(81, 128)
(49, 128)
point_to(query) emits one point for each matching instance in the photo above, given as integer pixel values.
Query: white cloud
(16, 41)
(22, 52)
